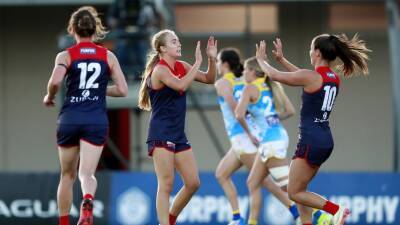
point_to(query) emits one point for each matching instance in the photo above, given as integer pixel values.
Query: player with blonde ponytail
(163, 91)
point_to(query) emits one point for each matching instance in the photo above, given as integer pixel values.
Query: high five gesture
(212, 47)
(316, 143)
(277, 52)
(211, 51)
(260, 51)
(198, 55)
(278, 55)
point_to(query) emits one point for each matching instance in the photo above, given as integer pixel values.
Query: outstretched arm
(60, 69)
(300, 77)
(209, 76)
(163, 75)
(278, 55)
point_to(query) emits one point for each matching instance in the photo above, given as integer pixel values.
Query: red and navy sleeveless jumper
(84, 115)
(315, 138)
(167, 120)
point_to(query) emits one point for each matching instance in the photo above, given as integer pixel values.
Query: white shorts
(273, 149)
(241, 144)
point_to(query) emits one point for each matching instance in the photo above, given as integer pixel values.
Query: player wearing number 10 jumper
(320, 88)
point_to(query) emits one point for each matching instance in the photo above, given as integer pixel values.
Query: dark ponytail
(238, 70)
(232, 57)
(352, 53)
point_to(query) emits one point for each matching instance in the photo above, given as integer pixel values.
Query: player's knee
(220, 176)
(166, 184)
(193, 185)
(86, 176)
(292, 193)
(251, 184)
(166, 188)
(68, 175)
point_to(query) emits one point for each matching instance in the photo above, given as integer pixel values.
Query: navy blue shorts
(69, 135)
(314, 156)
(169, 146)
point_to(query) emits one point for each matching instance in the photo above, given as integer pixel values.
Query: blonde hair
(276, 88)
(157, 41)
(85, 22)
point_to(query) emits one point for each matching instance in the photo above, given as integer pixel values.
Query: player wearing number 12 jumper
(82, 123)
(320, 88)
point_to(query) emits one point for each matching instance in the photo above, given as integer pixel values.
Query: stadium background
(362, 124)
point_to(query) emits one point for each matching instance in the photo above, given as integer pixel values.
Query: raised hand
(212, 49)
(277, 52)
(260, 51)
(198, 56)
